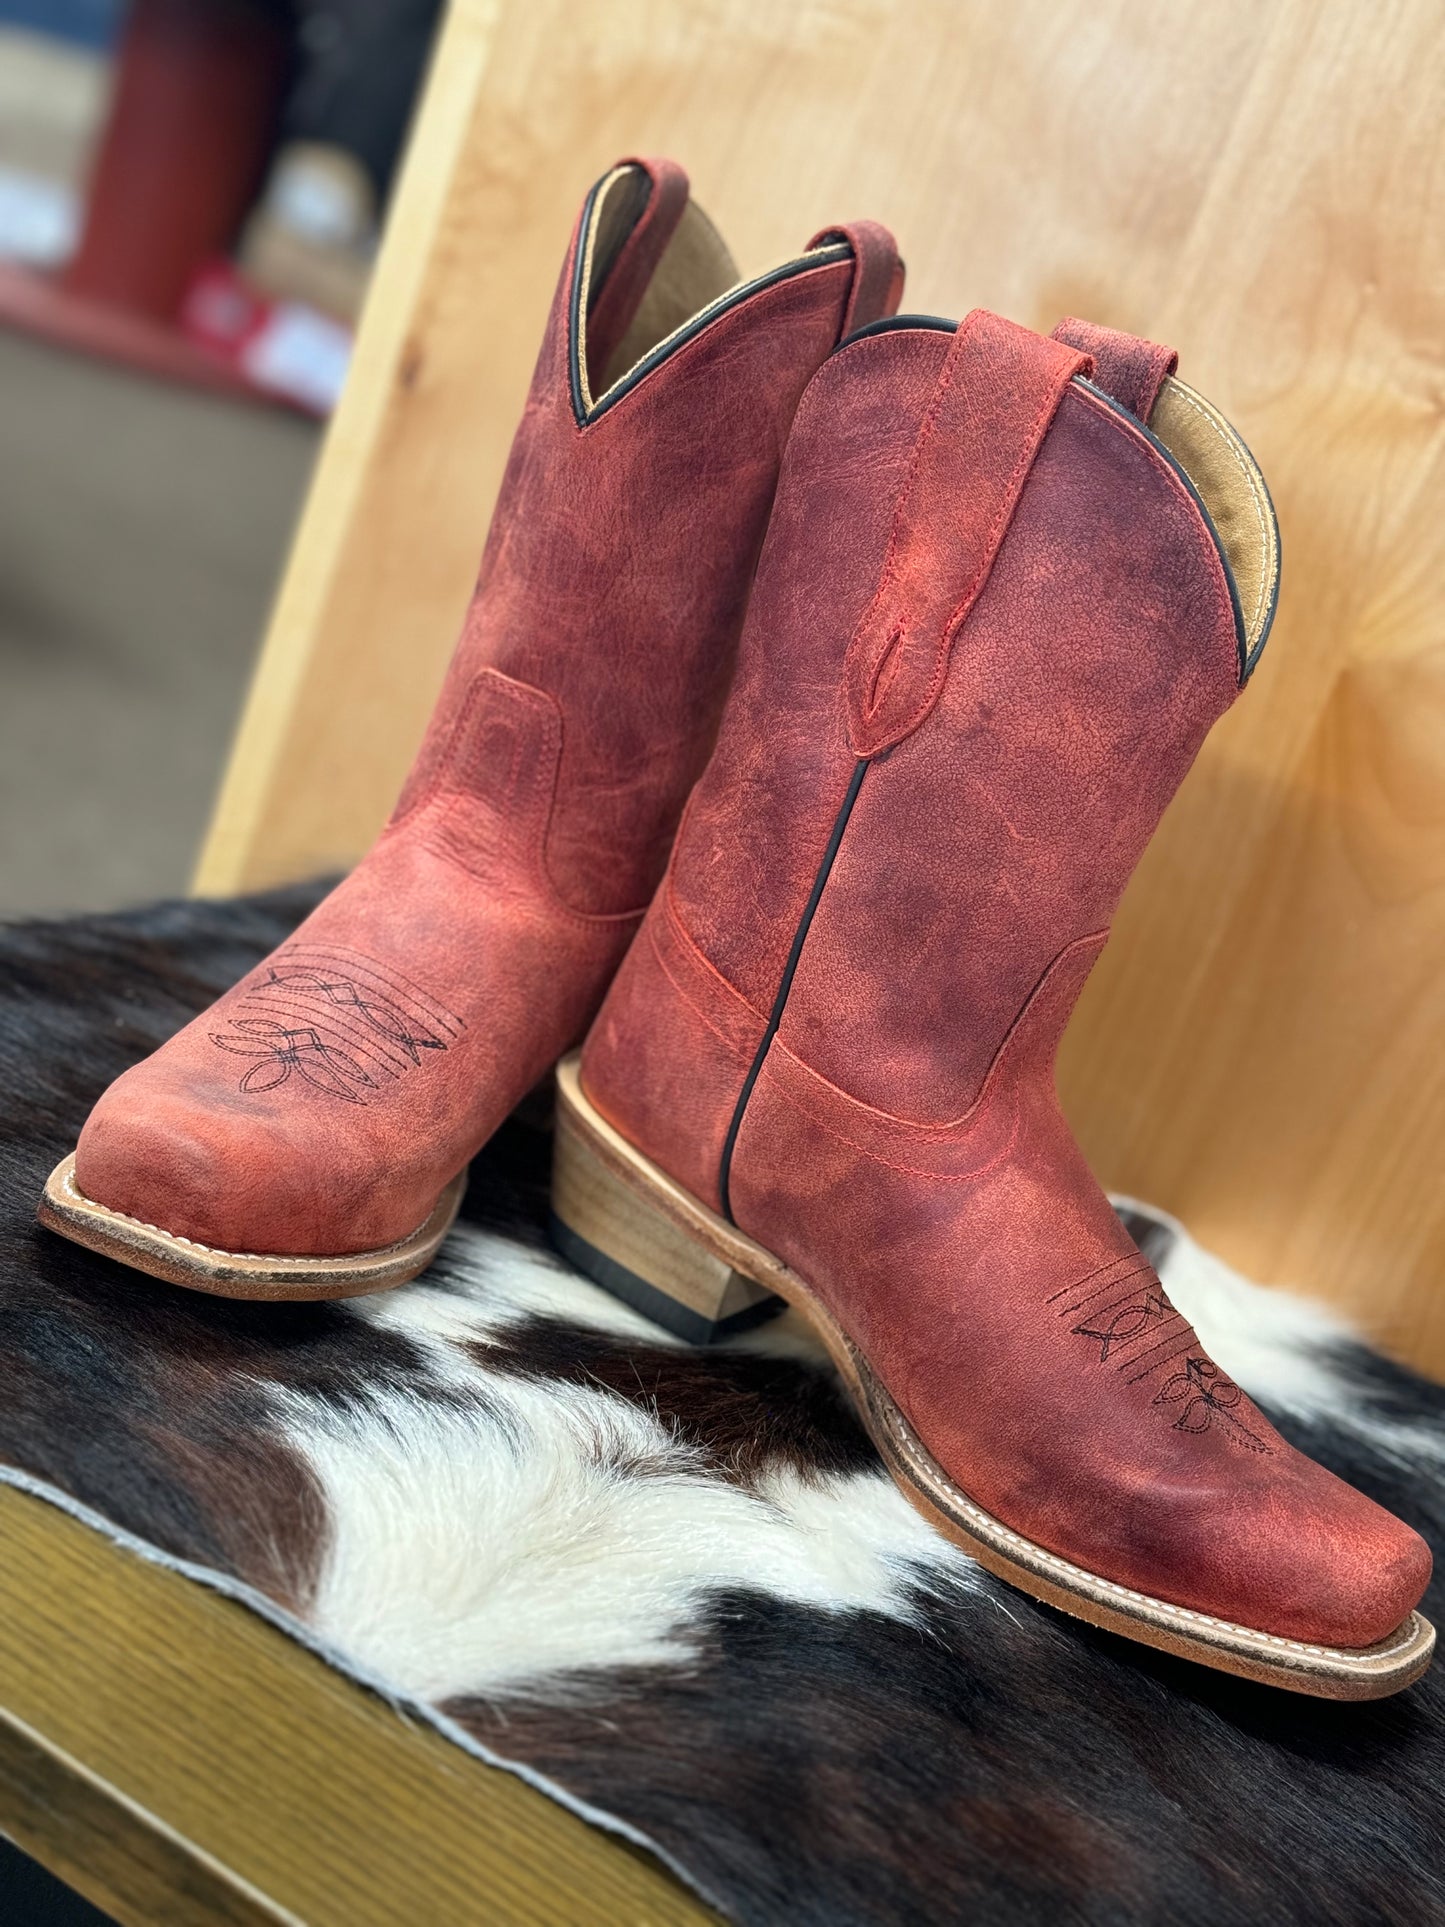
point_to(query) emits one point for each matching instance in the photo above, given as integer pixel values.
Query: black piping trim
(666, 348)
(776, 1017)
(1246, 657)
(574, 306)
(887, 324)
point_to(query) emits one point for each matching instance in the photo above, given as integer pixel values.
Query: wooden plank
(1257, 183)
(110, 1849)
(179, 1761)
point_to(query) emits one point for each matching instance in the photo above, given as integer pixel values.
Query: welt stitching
(220, 1251)
(928, 1472)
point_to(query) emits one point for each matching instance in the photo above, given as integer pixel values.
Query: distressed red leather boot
(305, 1136)
(994, 618)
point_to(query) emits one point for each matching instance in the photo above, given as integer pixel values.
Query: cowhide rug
(675, 1584)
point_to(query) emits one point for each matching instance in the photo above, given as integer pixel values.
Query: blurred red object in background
(199, 85)
(284, 349)
(198, 89)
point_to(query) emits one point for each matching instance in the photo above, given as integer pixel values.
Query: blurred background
(190, 196)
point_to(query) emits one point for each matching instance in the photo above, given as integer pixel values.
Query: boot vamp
(320, 1106)
(1037, 1356)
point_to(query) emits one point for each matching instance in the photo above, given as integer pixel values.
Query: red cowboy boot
(304, 1137)
(994, 618)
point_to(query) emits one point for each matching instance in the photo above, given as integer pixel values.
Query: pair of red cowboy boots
(1008, 583)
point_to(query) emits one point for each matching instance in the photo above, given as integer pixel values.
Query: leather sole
(635, 1231)
(239, 1274)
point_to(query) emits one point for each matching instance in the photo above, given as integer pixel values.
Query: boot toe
(1351, 1572)
(1303, 1556)
(232, 1183)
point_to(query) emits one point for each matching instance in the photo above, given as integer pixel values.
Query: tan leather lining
(695, 269)
(1231, 487)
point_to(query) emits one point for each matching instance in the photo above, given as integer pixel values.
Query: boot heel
(617, 1239)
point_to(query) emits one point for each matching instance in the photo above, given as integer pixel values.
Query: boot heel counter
(668, 1054)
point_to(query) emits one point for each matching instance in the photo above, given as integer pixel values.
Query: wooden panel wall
(1261, 183)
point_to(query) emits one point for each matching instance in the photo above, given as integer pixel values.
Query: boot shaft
(627, 529)
(993, 623)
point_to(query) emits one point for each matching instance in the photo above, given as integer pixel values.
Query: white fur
(515, 1528)
(547, 1527)
(482, 1283)
(1277, 1344)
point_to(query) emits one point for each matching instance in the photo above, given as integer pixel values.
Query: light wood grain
(1259, 182)
(1261, 1049)
(180, 1761)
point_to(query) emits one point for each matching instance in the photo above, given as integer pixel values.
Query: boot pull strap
(997, 394)
(617, 300)
(877, 271)
(1127, 367)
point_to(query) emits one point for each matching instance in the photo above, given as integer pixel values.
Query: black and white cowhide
(675, 1584)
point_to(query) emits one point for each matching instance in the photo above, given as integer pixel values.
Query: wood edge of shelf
(68, 1800)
